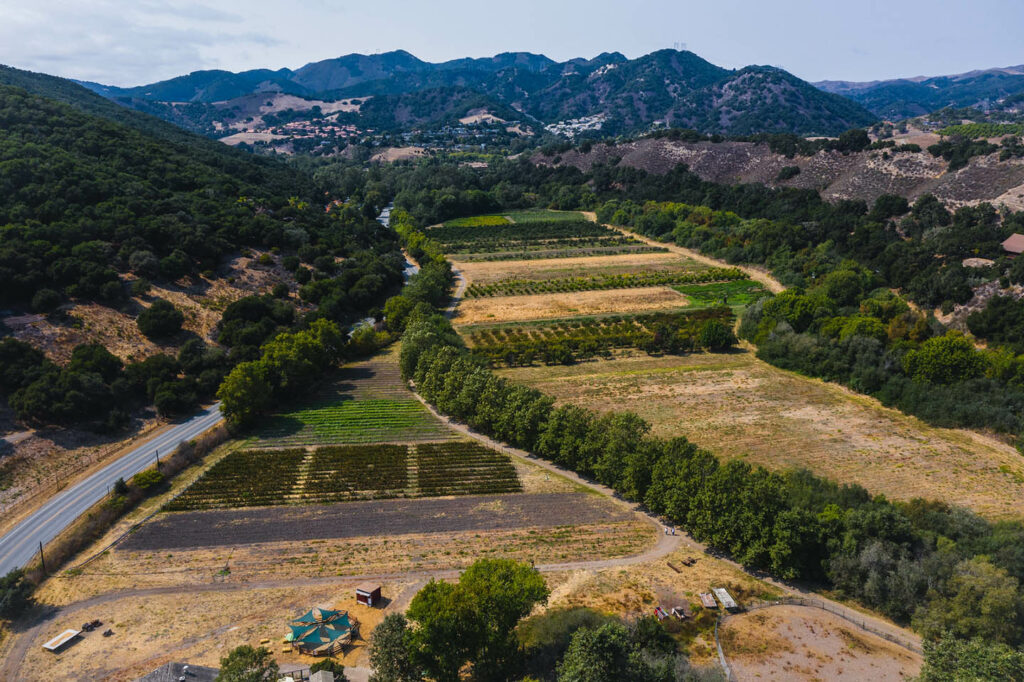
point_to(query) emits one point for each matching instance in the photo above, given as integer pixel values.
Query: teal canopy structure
(320, 632)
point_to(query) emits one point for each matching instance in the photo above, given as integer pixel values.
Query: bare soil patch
(738, 406)
(797, 643)
(488, 272)
(546, 306)
(188, 530)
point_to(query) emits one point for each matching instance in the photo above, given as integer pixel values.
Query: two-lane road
(19, 545)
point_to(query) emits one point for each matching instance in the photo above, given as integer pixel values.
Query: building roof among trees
(1014, 243)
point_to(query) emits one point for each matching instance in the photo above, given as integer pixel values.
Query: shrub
(45, 300)
(787, 173)
(160, 320)
(140, 287)
(144, 480)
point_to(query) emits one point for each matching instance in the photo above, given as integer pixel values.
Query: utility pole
(42, 559)
(157, 453)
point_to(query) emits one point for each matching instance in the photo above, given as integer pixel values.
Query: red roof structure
(1014, 244)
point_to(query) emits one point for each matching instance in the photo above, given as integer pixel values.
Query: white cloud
(121, 43)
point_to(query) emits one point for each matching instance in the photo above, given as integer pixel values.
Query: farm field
(806, 644)
(253, 478)
(490, 272)
(547, 306)
(736, 294)
(554, 252)
(365, 402)
(523, 287)
(737, 406)
(526, 231)
(583, 338)
(188, 530)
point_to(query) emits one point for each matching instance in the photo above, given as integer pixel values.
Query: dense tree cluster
(96, 388)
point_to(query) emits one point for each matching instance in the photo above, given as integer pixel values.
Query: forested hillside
(93, 213)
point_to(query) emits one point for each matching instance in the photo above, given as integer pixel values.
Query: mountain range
(677, 88)
(908, 97)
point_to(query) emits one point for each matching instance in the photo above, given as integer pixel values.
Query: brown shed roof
(1014, 243)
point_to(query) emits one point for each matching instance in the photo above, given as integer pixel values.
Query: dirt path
(755, 273)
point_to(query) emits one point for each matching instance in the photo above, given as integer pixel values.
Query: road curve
(21, 543)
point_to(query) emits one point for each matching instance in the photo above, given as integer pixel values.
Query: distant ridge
(670, 86)
(907, 97)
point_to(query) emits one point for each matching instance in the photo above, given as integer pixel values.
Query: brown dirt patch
(546, 306)
(738, 406)
(797, 643)
(230, 527)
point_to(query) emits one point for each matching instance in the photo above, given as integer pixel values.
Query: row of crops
(254, 478)
(538, 234)
(521, 287)
(463, 468)
(568, 341)
(524, 216)
(244, 478)
(572, 250)
(976, 131)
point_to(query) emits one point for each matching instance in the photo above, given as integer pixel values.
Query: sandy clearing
(799, 643)
(487, 272)
(250, 138)
(398, 154)
(546, 306)
(738, 406)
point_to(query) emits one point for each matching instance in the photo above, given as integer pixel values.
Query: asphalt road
(21, 544)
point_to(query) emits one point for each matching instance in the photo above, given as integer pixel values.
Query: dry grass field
(738, 406)
(488, 272)
(804, 644)
(548, 306)
(195, 627)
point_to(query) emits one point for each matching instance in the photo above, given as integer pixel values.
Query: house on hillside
(1014, 244)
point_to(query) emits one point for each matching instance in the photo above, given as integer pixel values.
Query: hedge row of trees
(919, 562)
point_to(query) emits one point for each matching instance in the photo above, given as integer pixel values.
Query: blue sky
(128, 43)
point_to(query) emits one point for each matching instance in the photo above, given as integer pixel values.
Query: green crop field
(365, 402)
(254, 478)
(353, 421)
(735, 294)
